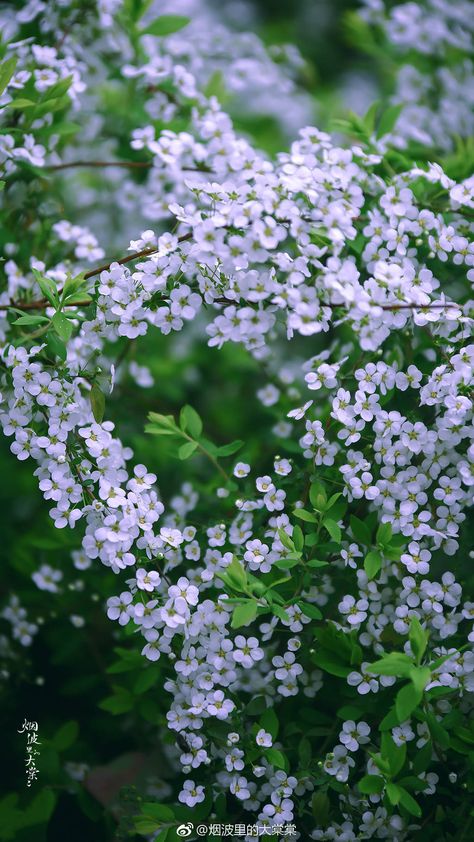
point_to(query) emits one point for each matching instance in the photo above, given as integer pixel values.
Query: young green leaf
(388, 119)
(97, 400)
(47, 287)
(229, 449)
(408, 802)
(236, 575)
(7, 69)
(269, 721)
(190, 422)
(309, 610)
(334, 529)
(186, 450)
(384, 534)
(408, 698)
(371, 784)
(360, 530)
(166, 25)
(418, 639)
(62, 326)
(244, 614)
(394, 793)
(276, 758)
(31, 321)
(372, 563)
(303, 514)
(395, 663)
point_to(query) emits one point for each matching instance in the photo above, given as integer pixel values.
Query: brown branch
(127, 164)
(99, 164)
(334, 305)
(41, 303)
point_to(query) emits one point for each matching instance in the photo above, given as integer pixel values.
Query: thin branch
(99, 164)
(43, 302)
(127, 164)
(39, 305)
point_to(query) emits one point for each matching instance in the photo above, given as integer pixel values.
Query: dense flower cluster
(437, 95)
(330, 560)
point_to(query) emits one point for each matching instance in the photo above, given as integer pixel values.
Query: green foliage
(166, 25)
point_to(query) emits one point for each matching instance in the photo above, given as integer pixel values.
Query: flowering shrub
(293, 624)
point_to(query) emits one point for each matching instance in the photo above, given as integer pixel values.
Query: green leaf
(298, 538)
(303, 514)
(423, 758)
(281, 613)
(287, 562)
(161, 812)
(370, 115)
(418, 639)
(244, 614)
(190, 422)
(371, 784)
(145, 826)
(31, 320)
(395, 663)
(349, 712)
(438, 733)
(186, 450)
(409, 803)
(47, 287)
(20, 103)
(56, 346)
(236, 574)
(315, 563)
(393, 754)
(230, 449)
(334, 530)
(120, 702)
(162, 425)
(97, 399)
(408, 698)
(166, 25)
(40, 809)
(320, 806)
(7, 69)
(394, 793)
(276, 758)
(305, 752)
(72, 285)
(286, 540)
(269, 721)
(65, 736)
(58, 89)
(384, 534)
(329, 663)
(389, 721)
(361, 531)
(388, 119)
(372, 563)
(256, 706)
(420, 677)
(309, 610)
(77, 298)
(318, 496)
(146, 679)
(62, 326)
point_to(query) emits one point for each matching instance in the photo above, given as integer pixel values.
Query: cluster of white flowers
(438, 98)
(324, 240)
